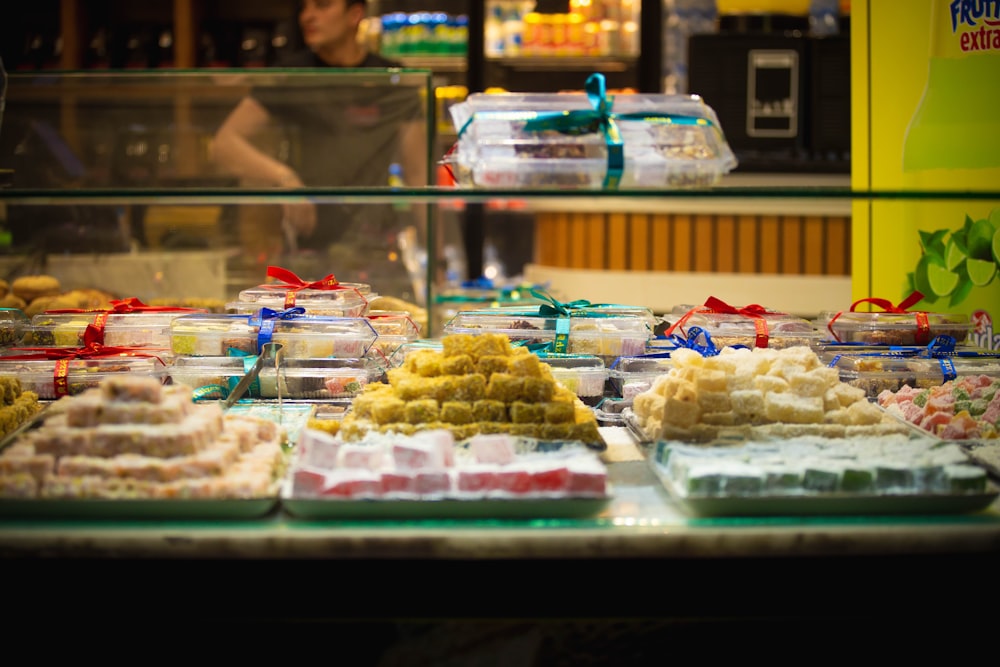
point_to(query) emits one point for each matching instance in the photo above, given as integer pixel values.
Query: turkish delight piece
(477, 479)
(965, 478)
(129, 387)
(398, 482)
(441, 439)
(414, 454)
(356, 483)
(318, 448)
(514, 479)
(857, 479)
(822, 476)
(308, 482)
(550, 478)
(493, 448)
(433, 483)
(365, 456)
(587, 478)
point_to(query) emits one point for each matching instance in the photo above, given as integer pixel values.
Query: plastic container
(12, 324)
(779, 330)
(875, 374)
(893, 328)
(211, 335)
(215, 377)
(394, 329)
(605, 337)
(39, 375)
(583, 374)
(143, 329)
(350, 301)
(672, 141)
(633, 375)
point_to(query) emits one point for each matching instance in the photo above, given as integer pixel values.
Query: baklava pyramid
(475, 384)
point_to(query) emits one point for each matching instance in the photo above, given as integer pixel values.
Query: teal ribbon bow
(599, 118)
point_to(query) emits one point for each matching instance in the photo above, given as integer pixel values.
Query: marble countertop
(641, 521)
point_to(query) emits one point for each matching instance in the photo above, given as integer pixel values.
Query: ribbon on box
(713, 305)
(292, 284)
(91, 349)
(118, 307)
(920, 316)
(599, 118)
(265, 319)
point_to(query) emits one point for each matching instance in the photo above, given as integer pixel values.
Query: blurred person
(349, 133)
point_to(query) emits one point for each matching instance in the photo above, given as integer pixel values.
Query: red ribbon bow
(714, 306)
(923, 326)
(119, 306)
(292, 284)
(91, 349)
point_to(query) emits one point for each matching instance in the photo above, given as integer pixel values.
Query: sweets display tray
(831, 504)
(97, 508)
(448, 508)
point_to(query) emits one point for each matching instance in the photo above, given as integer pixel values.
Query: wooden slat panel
(747, 244)
(562, 232)
(659, 238)
(544, 245)
(814, 263)
(838, 246)
(769, 243)
(680, 253)
(578, 242)
(725, 244)
(638, 250)
(617, 241)
(596, 238)
(791, 248)
(704, 242)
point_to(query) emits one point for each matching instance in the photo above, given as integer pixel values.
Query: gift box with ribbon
(214, 335)
(394, 329)
(128, 322)
(326, 297)
(589, 140)
(920, 368)
(894, 324)
(215, 377)
(54, 372)
(577, 327)
(747, 326)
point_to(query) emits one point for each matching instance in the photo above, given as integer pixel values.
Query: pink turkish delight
(553, 478)
(318, 448)
(432, 482)
(415, 454)
(493, 448)
(398, 482)
(514, 479)
(353, 484)
(364, 456)
(477, 479)
(308, 482)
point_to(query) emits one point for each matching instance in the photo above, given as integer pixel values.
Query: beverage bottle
(951, 143)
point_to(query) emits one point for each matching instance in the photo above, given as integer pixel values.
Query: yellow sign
(926, 123)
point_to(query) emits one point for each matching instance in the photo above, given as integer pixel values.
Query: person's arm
(232, 149)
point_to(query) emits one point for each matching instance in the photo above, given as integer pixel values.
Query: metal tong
(268, 353)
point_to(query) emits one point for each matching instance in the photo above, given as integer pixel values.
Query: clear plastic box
(142, 329)
(394, 329)
(12, 324)
(669, 141)
(211, 335)
(350, 301)
(39, 375)
(875, 374)
(605, 337)
(583, 374)
(893, 328)
(726, 329)
(633, 375)
(296, 378)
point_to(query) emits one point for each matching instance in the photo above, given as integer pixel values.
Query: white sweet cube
(318, 448)
(493, 448)
(413, 454)
(442, 440)
(368, 457)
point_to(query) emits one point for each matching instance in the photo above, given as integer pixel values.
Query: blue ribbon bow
(265, 319)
